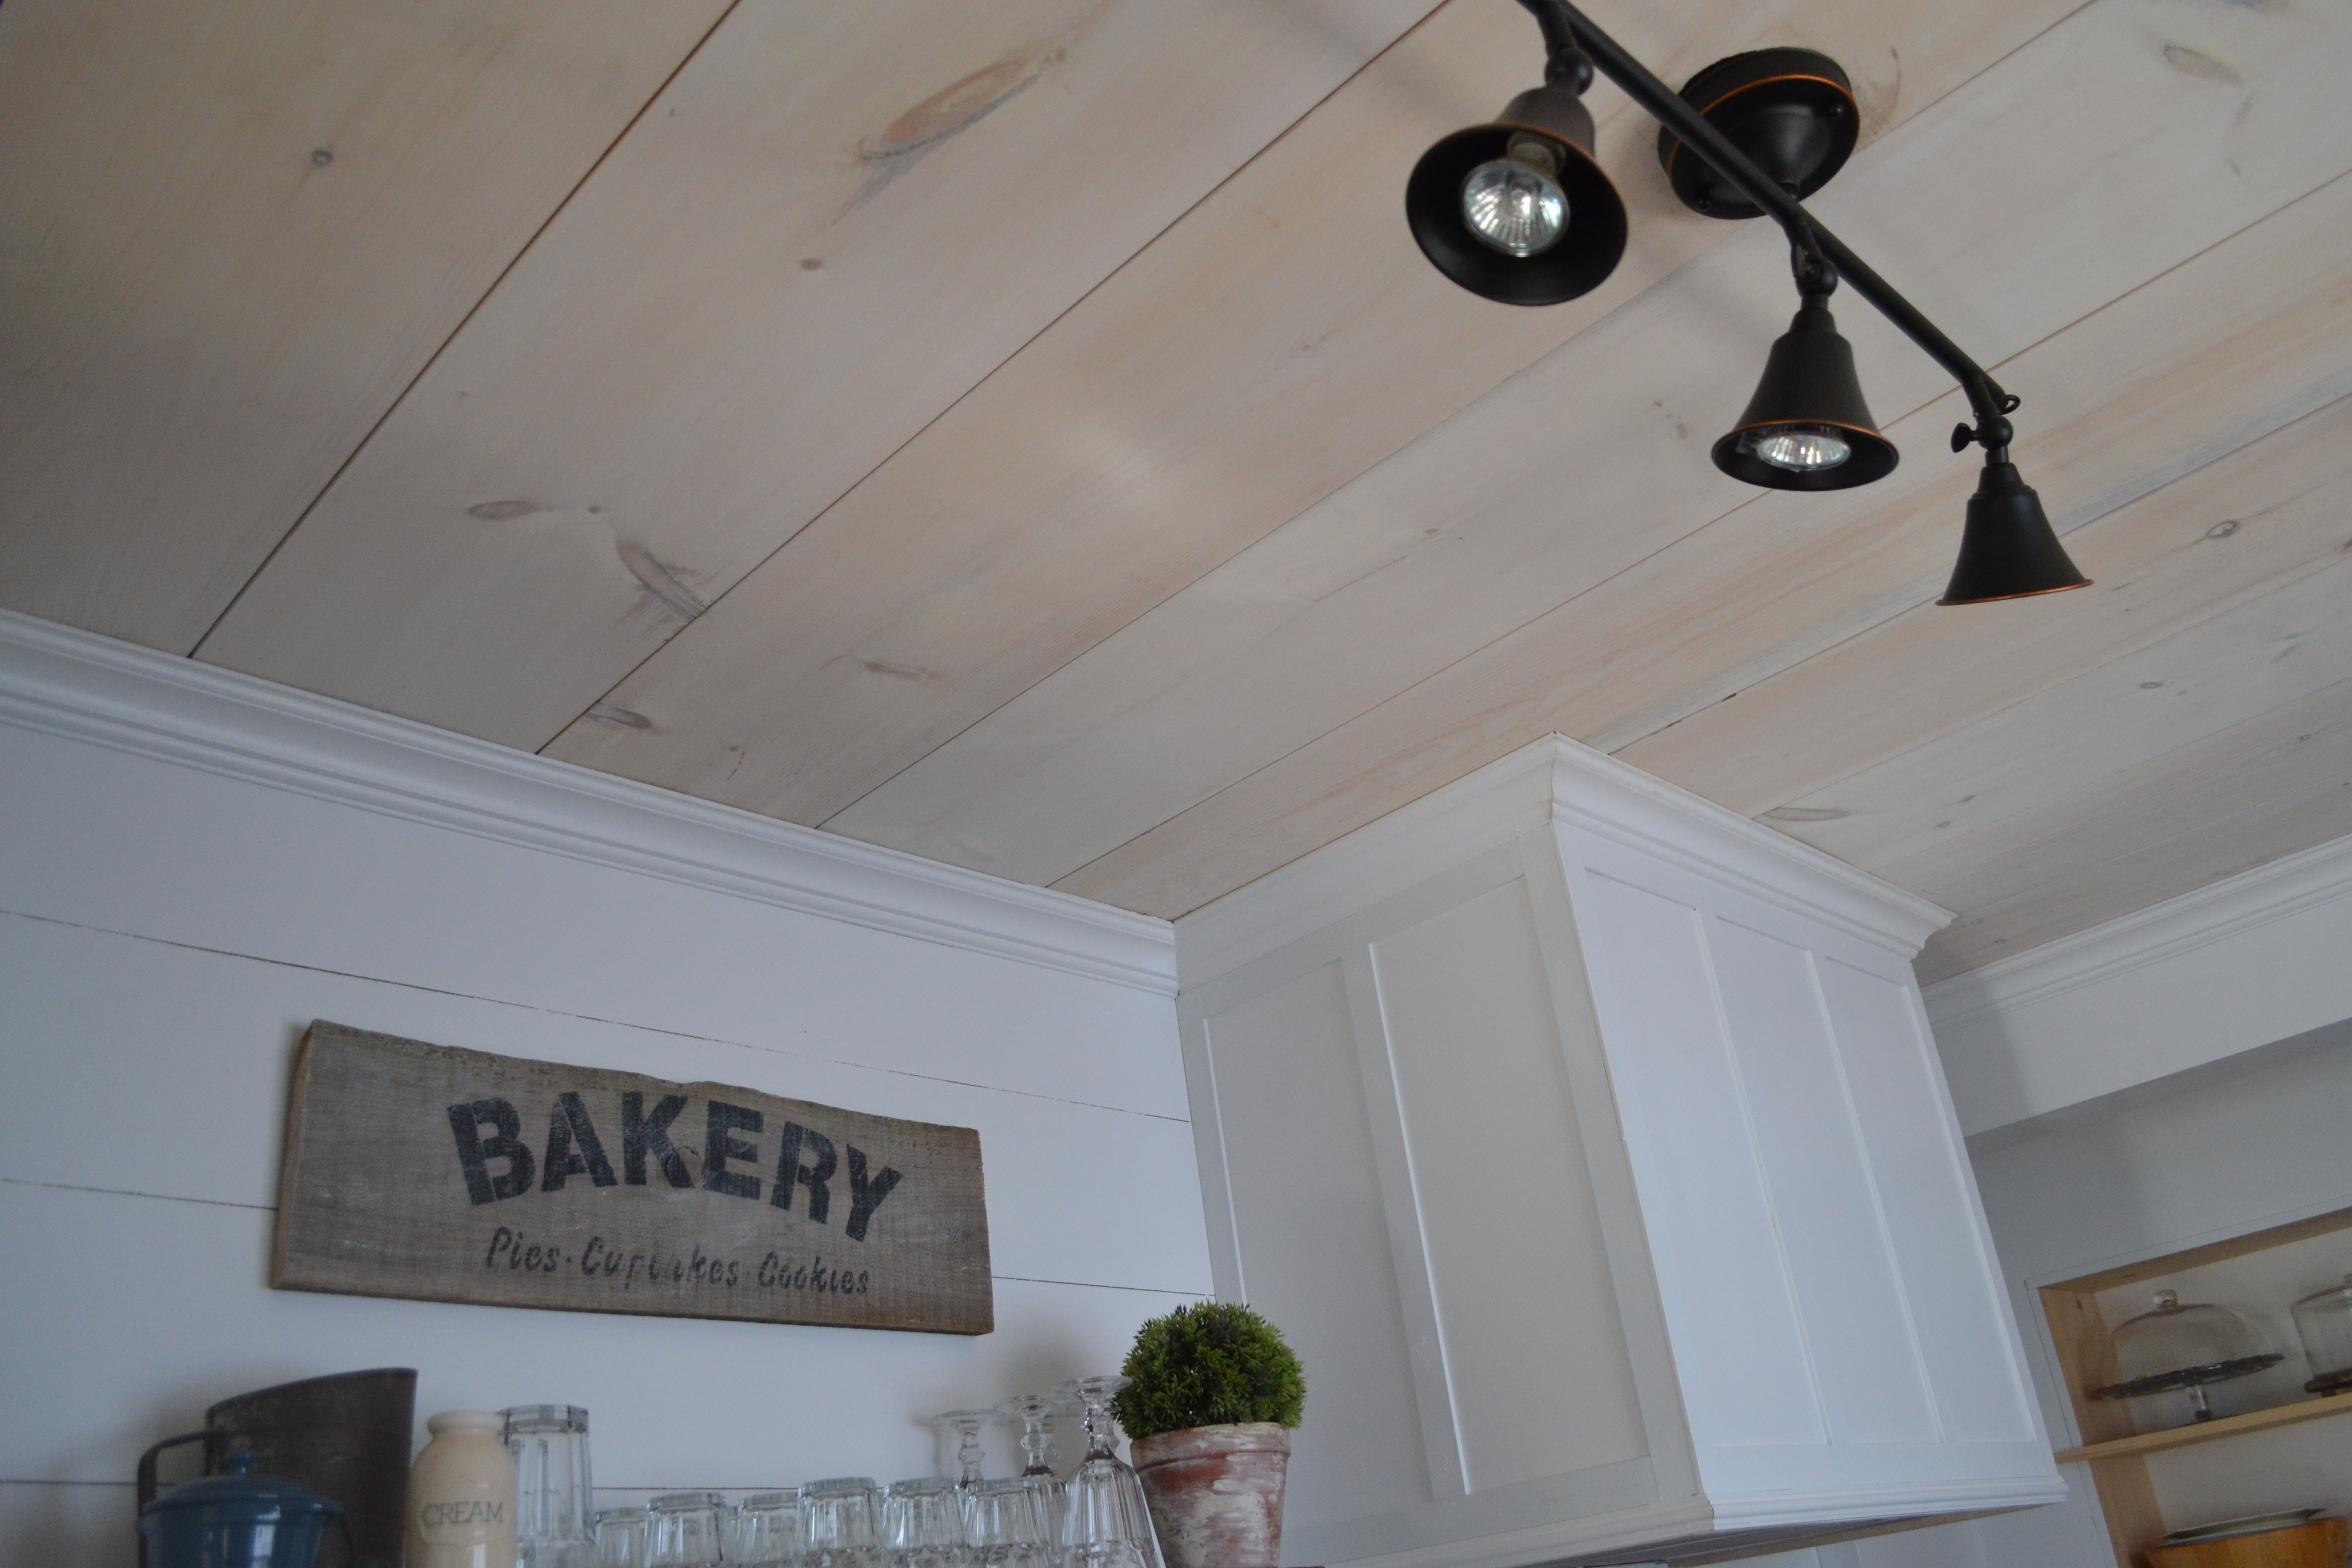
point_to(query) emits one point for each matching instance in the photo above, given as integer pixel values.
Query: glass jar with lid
(2185, 1347)
(552, 1485)
(2325, 1323)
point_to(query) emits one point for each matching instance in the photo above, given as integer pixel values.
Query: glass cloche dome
(2187, 1348)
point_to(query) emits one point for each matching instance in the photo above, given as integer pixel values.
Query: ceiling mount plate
(1791, 112)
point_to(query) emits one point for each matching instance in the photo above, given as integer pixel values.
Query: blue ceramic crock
(236, 1520)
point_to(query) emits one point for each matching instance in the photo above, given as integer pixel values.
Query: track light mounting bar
(1577, 45)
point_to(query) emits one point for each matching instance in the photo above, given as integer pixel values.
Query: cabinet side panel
(1721, 1278)
(1925, 1182)
(1535, 1357)
(1313, 1242)
(1865, 1358)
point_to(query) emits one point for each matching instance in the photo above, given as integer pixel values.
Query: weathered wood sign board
(453, 1175)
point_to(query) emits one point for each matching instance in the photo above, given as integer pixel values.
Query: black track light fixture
(1807, 428)
(2009, 549)
(1517, 211)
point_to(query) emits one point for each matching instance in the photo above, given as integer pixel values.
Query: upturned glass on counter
(552, 1485)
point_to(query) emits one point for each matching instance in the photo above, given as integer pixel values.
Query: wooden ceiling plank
(835, 222)
(1280, 340)
(2274, 783)
(2234, 532)
(2246, 338)
(230, 235)
(1594, 459)
(2265, 653)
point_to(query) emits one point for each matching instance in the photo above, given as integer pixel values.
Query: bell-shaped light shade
(1807, 428)
(2010, 550)
(1517, 210)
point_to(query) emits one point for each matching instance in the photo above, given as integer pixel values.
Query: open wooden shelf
(2207, 1431)
(2086, 1359)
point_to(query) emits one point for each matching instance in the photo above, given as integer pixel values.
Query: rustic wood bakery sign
(454, 1176)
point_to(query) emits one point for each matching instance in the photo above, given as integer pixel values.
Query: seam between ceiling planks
(658, 357)
(390, 409)
(947, 409)
(1405, 315)
(2315, 210)
(1956, 89)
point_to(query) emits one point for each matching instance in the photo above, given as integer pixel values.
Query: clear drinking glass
(767, 1531)
(967, 1425)
(685, 1529)
(1006, 1531)
(620, 1538)
(1105, 1523)
(1036, 1413)
(923, 1523)
(838, 1524)
(552, 1486)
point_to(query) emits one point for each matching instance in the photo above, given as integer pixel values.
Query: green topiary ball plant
(1209, 1364)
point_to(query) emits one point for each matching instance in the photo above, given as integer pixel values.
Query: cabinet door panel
(1535, 1361)
(1721, 1277)
(1841, 1260)
(1971, 1356)
(1313, 1242)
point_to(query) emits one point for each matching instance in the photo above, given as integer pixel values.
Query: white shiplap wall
(192, 866)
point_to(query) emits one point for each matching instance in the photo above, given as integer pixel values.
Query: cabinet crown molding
(58, 681)
(1559, 780)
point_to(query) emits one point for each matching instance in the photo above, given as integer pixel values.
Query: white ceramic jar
(461, 1494)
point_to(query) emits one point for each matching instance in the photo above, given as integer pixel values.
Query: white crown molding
(75, 684)
(1552, 780)
(2155, 935)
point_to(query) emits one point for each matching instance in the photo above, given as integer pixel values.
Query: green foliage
(1209, 1364)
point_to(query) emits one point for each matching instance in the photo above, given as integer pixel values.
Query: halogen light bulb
(1798, 448)
(1513, 204)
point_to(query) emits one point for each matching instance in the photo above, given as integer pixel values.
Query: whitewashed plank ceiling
(1028, 435)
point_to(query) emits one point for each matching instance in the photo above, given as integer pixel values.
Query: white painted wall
(2193, 981)
(2176, 1076)
(2194, 1160)
(194, 866)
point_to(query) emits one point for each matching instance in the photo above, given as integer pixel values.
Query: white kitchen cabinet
(1588, 1144)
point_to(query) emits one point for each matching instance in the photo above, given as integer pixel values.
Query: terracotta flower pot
(1215, 1493)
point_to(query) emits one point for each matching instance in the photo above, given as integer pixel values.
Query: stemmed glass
(1036, 1414)
(967, 1425)
(1106, 1523)
(1005, 1530)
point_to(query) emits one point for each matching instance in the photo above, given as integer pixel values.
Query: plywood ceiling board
(2274, 783)
(2262, 653)
(229, 235)
(2244, 339)
(836, 220)
(2264, 332)
(1587, 463)
(1282, 337)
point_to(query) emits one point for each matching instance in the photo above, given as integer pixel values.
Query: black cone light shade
(2010, 550)
(1584, 254)
(1808, 384)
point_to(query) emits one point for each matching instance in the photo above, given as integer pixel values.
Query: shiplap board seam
(2285, 887)
(272, 1209)
(80, 686)
(583, 1017)
(1554, 779)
